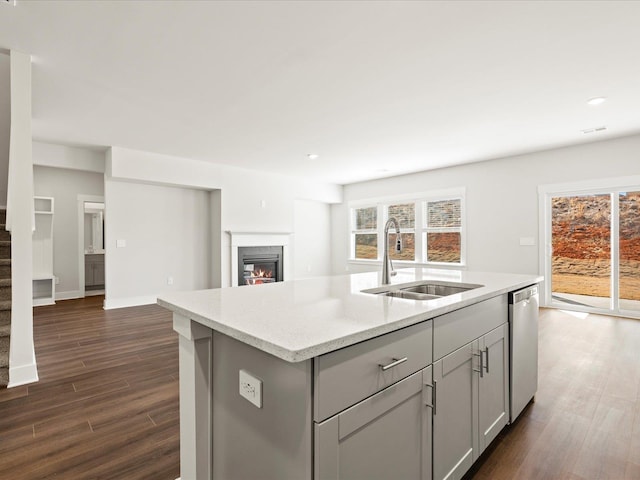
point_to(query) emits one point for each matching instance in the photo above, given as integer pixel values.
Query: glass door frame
(612, 187)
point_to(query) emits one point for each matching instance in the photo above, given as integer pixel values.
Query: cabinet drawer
(344, 377)
(455, 329)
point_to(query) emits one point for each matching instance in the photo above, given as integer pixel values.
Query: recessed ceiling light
(313, 156)
(596, 100)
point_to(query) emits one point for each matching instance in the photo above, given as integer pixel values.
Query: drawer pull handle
(396, 362)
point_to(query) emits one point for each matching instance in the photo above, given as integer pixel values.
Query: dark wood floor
(106, 405)
(585, 421)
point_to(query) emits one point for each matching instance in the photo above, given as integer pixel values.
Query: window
(405, 214)
(442, 235)
(431, 228)
(365, 233)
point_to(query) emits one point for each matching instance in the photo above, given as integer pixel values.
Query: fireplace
(259, 265)
(240, 240)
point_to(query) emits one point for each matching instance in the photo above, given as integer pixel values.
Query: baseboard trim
(71, 294)
(129, 302)
(93, 293)
(22, 375)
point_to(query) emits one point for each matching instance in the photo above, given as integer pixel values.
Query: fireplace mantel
(258, 239)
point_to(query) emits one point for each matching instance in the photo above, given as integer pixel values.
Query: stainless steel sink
(410, 295)
(422, 290)
(436, 289)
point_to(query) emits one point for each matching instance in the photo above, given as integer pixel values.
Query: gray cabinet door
(88, 273)
(494, 384)
(455, 420)
(427, 418)
(98, 273)
(385, 436)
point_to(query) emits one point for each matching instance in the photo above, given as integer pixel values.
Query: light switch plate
(121, 243)
(251, 388)
(528, 241)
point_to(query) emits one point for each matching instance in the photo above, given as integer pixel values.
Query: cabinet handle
(481, 371)
(486, 365)
(396, 362)
(433, 396)
(435, 385)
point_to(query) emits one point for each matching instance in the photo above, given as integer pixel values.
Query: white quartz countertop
(301, 319)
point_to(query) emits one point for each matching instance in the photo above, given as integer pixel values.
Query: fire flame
(256, 276)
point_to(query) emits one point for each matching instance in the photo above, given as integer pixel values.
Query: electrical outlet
(57, 280)
(169, 280)
(250, 388)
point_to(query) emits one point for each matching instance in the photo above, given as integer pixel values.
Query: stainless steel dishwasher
(523, 353)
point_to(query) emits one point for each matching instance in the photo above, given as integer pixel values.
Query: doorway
(592, 254)
(91, 245)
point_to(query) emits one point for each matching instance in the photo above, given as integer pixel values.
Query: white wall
(167, 233)
(73, 158)
(501, 198)
(5, 125)
(312, 239)
(64, 186)
(245, 200)
(142, 166)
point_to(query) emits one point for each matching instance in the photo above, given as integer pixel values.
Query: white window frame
(419, 199)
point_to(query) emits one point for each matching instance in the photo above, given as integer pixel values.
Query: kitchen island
(338, 382)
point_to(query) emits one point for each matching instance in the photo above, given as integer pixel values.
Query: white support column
(196, 415)
(20, 217)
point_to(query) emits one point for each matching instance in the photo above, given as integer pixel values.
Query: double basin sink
(423, 290)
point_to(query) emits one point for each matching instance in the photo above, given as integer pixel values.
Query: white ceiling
(375, 88)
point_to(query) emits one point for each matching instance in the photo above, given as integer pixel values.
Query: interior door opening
(94, 248)
(91, 245)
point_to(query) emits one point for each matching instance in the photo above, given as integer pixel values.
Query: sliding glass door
(581, 246)
(592, 260)
(629, 248)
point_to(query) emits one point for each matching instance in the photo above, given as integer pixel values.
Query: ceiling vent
(593, 130)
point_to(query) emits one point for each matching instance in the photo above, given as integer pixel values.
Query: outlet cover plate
(250, 388)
